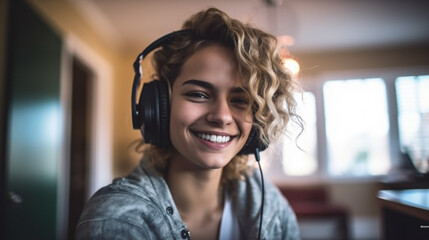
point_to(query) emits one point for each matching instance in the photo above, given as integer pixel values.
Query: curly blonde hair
(269, 85)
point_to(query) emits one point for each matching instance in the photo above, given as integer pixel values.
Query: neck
(195, 190)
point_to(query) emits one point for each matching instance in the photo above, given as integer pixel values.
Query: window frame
(313, 82)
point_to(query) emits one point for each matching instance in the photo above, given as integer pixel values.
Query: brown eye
(197, 95)
(241, 101)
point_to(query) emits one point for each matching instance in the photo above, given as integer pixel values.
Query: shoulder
(110, 229)
(132, 194)
(122, 197)
(126, 206)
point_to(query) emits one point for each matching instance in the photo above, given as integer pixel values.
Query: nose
(220, 113)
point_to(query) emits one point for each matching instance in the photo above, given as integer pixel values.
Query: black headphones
(153, 110)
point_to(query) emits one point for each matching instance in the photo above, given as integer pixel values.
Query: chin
(212, 163)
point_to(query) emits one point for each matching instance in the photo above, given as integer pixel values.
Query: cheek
(247, 127)
(182, 115)
(246, 122)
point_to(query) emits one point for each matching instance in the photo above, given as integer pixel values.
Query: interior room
(359, 170)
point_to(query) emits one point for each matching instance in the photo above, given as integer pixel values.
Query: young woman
(225, 87)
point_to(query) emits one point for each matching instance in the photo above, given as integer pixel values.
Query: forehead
(213, 63)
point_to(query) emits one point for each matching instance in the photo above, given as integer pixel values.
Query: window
(413, 118)
(357, 127)
(300, 154)
(356, 139)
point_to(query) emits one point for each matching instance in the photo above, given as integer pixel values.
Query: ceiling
(314, 25)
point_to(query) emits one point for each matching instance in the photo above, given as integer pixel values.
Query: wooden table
(405, 214)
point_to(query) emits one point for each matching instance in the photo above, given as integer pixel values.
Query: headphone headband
(138, 73)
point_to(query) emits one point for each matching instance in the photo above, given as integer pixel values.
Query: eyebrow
(200, 83)
(210, 86)
(238, 90)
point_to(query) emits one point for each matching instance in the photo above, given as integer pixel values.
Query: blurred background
(65, 84)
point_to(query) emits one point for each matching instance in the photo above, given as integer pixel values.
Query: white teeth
(213, 138)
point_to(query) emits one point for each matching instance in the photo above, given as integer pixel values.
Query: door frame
(101, 164)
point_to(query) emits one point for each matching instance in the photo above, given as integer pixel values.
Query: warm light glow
(292, 65)
(285, 40)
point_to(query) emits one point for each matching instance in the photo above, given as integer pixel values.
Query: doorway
(80, 144)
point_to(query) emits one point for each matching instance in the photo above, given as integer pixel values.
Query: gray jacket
(140, 206)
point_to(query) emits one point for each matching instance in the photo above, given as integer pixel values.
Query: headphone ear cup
(253, 142)
(154, 106)
(164, 115)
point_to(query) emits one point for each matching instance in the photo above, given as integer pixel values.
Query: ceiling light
(292, 65)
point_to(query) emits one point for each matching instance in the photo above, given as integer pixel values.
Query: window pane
(299, 157)
(413, 118)
(357, 127)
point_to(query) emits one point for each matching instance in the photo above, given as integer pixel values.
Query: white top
(229, 228)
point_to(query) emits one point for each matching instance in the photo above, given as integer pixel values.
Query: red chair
(312, 203)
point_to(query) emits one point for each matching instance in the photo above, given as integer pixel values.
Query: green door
(34, 125)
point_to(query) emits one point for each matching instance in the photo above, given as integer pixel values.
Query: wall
(393, 57)
(3, 28)
(3, 36)
(66, 17)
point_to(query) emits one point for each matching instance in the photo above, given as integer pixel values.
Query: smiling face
(210, 117)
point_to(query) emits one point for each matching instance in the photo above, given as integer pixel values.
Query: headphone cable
(258, 159)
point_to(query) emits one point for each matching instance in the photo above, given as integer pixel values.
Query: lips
(213, 137)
